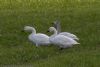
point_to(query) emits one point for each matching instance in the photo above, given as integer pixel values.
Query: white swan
(58, 27)
(37, 38)
(61, 40)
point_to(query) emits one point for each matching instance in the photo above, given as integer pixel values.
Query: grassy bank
(76, 16)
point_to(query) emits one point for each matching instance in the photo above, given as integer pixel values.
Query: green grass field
(76, 16)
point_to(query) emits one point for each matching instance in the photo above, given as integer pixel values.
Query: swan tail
(78, 43)
(77, 38)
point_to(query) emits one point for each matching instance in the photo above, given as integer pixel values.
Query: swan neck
(55, 32)
(33, 31)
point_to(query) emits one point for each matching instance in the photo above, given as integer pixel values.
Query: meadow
(81, 17)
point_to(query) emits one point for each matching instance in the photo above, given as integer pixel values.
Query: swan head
(28, 28)
(51, 29)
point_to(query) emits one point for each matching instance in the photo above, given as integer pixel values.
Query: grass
(76, 16)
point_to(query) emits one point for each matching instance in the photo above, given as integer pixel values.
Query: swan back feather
(69, 35)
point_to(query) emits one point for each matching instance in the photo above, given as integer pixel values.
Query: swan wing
(69, 35)
(39, 38)
(63, 40)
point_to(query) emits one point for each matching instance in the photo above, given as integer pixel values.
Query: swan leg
(37, 45)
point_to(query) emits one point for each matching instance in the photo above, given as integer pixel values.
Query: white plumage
(61, 40)
(58, 28)
(37, 38)
(69, 35)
